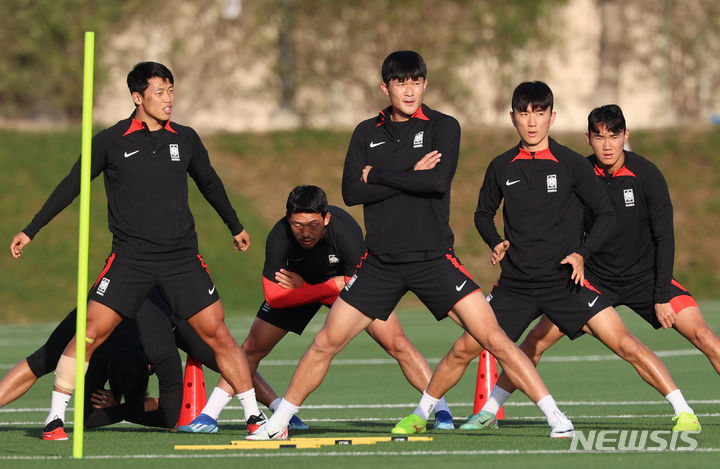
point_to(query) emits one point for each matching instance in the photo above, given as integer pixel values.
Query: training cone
(194, 394)
(486, 378)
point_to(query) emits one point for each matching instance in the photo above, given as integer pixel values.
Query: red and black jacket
(337, 253)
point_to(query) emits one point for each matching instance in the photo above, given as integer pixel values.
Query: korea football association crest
(333, 259)
(174, 152)
(418, 140)
(103, 286)
(552, 183)
(629, 197)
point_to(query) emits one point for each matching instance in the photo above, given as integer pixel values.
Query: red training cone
(486, 378)
(194, 394)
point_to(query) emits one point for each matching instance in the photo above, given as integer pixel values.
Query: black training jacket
(544, 193)
(146, 185)
(406, 212)
(642, 240)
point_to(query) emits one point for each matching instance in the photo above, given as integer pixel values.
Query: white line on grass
(390, 361)
(393, 419)
(296, 454)
(413, 404)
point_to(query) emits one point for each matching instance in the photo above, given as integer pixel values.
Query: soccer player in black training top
(309, 256)
(146, 160)
(150, 338)
(400, 166)
(634, 266)
(545, 188)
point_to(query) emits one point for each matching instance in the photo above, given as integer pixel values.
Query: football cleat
(54, 431)
(443, 420)
(409, 425)
(480, 421)
(265, 434)
(561, 426)
(203, 423)
(686, 422)
(297, 424)
(255, 422)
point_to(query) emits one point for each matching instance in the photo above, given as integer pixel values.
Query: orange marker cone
(194, 394)
(486, 378)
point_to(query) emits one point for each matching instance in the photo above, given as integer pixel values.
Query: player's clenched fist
(18, 243)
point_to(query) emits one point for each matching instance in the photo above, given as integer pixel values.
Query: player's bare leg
(262, 338)
(691, 324)
(611, 331)
(540, 338)
(209, 323)
(474, 314)
(343, 323)
(16, 382)
(391, 337)
(101, 321)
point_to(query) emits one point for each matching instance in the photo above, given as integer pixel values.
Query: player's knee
(222, 339)
(630, 348)
(323, 344)
(254, 350)
(399, 345)
(464, 351)
(705, 338)
(496, 342)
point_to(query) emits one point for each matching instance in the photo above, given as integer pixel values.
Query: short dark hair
(137, 79)
(403, 64)
(535, 94)
(307, 199)
(609, 116)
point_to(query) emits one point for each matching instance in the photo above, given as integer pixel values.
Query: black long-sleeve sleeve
(354, 190)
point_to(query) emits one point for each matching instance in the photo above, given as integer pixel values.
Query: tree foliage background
(42, 53)
(315, 46)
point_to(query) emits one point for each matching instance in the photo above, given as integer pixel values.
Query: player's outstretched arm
(17, 244)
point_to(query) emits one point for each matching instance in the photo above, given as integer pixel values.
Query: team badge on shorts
(552, 183)
(174, 152)
(102, 287)
(350, 283)
(629, 197)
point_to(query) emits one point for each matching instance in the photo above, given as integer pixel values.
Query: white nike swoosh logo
(211, 290)
(592, 303)
(130, 154)
(510, 183)
(373, 144)
(460, 287)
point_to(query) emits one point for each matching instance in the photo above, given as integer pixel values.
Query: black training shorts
(185, 283)
(376, 287)
(567, 305)
(293, 319)
(638, 295)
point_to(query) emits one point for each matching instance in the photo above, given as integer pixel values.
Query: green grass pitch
(365, 394)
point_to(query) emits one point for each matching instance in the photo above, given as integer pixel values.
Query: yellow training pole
(83, 239)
